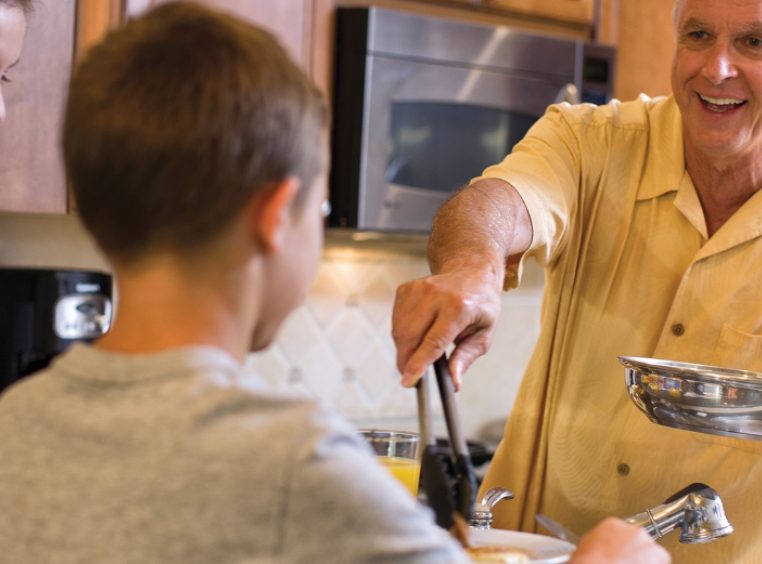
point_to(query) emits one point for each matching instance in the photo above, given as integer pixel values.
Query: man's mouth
(721, 105)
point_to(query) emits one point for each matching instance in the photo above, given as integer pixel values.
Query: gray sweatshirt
(181, 457)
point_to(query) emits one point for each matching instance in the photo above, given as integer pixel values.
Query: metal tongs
(447, 474)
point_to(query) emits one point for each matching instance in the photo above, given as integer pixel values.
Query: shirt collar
(665, 168)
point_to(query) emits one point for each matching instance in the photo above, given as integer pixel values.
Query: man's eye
(754, 42)
(697, 35)
(4, 79)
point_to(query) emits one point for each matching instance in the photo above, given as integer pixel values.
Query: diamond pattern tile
(400, 402)
(300, 336)
(376, 298)
(321, 373)
(327, 294)
(351, 401)
(352, 336)
(271, 366)
(296, 383)
(377, 375)
(354, 273)
(338, 346)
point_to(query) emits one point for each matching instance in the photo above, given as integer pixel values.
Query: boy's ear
(270, 213)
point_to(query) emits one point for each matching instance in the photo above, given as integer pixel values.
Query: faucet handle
(706, 519)
(698, 511)
(481, 517)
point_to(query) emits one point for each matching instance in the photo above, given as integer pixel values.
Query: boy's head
(175, 121)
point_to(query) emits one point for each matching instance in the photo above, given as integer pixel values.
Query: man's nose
(719, 65)
(2, 107)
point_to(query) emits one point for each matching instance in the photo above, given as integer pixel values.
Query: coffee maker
(44, 311)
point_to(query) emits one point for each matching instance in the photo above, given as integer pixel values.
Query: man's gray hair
(676, 11)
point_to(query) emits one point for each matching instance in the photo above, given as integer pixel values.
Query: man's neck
(722, 187)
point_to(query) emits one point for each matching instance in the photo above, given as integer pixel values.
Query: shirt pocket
(737, 349)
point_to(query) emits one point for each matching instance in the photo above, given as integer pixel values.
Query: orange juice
(406, 470)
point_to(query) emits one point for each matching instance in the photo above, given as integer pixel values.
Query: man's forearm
(482, 226)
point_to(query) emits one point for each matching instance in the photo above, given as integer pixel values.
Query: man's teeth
(721, 101)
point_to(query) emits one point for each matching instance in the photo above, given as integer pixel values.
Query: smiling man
(717, 84)
(646, 216)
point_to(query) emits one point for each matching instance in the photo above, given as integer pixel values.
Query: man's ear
(269, 213)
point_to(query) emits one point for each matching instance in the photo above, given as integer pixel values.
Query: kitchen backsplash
(338, 346)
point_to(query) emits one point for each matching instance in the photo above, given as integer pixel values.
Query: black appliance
(44, 311)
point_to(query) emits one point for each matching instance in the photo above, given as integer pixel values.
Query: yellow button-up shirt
(629, 271)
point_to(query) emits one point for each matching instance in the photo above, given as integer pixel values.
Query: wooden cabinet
(94, 19)
(289, 20)
(566, 10)
(31, 173)
(645, 47)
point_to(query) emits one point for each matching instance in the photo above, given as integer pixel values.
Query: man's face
(717, 76)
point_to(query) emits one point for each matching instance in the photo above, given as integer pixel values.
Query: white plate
(546, 550)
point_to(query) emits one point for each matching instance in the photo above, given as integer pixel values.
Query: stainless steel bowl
(696, 397)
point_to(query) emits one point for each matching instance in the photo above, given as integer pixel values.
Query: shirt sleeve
(545, 168)
(344, 507)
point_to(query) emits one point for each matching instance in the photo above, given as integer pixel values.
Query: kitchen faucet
(696, 509)
(481, 516)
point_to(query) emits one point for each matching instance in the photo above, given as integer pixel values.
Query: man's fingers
(412, 317)
(467, 350)
(434, 344)
(424, 323)
(432, 313)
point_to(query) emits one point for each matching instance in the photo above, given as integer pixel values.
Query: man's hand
(475, 234)
(459, 307)
(613, 541)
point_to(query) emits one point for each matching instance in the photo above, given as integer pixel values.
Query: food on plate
(500, 554)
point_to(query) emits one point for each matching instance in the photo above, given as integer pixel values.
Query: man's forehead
(747, 13)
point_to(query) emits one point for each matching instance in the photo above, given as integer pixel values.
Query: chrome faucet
(481, 516)
(697, 509)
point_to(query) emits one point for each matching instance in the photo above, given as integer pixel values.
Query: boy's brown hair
(176, 119)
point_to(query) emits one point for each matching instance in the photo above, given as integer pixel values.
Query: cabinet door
(31, 172)
(646, 47)
(289, 20)
(580, 11)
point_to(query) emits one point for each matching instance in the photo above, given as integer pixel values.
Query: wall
(40, 240)
(337, 346)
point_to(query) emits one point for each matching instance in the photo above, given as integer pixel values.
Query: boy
(197, 152)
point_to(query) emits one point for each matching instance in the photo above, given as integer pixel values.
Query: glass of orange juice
(399, 452)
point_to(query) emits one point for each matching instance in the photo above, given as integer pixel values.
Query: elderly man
(646, 217)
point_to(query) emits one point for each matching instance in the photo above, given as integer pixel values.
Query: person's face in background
(12, 30)
(717, 76)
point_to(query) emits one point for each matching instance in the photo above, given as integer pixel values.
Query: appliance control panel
(82, 316)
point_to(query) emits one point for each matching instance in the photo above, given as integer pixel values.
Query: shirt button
(623, 469)
(678, 329)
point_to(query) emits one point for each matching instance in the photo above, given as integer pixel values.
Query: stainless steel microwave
(422, 104)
